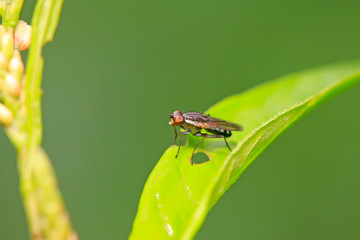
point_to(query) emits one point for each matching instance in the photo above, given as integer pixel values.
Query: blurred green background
(117, 68)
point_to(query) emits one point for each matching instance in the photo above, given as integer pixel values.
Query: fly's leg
(198, 135)
(214, 136)
(227, 144)
(186, 133)
(175, 134)
(220, 136)
(204, 135)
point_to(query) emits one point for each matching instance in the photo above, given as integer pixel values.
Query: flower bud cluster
(12, 77)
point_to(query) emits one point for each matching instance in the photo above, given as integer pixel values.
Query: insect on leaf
(177, 195)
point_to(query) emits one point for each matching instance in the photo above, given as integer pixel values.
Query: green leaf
(177, 195)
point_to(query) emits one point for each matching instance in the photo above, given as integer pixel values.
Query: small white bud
(22, 35)
(12, 85)
(6, 116)
(16, 66)
(7, 44)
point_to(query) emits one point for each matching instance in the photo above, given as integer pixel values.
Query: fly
(193, 123)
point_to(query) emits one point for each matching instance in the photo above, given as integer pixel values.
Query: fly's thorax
(190, 128)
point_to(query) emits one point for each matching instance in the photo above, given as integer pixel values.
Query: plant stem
(44, 206)
(46, 211)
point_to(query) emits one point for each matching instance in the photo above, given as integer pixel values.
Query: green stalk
(45, 209)
(46, 212)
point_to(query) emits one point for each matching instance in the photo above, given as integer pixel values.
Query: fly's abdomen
(225, 133)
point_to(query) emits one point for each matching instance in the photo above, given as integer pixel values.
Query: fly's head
(176, 118)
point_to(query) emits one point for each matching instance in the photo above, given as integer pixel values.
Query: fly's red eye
(179, 119)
